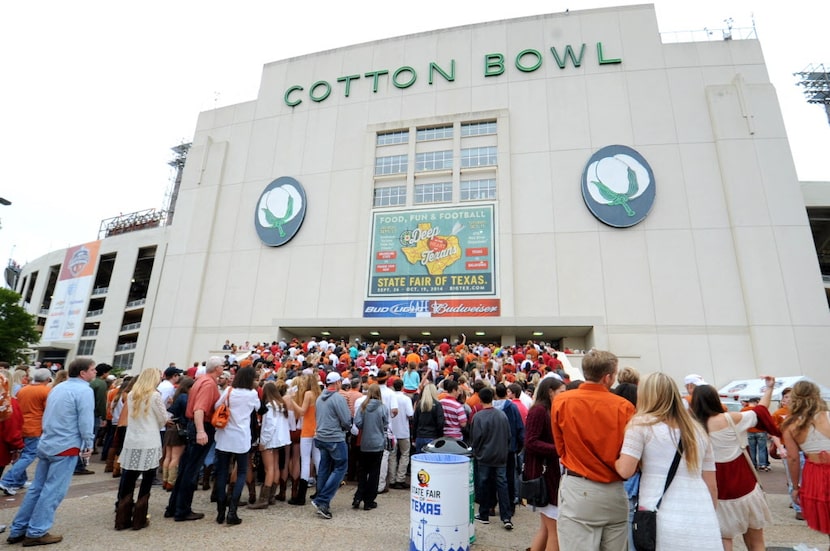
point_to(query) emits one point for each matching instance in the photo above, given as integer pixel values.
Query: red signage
(385, 268)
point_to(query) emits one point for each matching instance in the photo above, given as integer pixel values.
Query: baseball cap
(694, 379)
(333, 377)
(171, 371)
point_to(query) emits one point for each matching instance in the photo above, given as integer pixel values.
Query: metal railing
(131, 326)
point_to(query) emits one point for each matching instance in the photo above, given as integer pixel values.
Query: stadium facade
(569, 178)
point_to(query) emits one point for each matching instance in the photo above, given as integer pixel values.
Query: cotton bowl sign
(280, 211)
(618, 186)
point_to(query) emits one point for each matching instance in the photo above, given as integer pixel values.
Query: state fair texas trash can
(441, 497)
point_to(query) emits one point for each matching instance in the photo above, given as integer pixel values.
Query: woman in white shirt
(234, 442)
(686, 518)
(141, 451)
(274, 436)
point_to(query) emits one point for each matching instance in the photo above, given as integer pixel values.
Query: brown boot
(140, 513)
(262, 502)
(295, 486)
(281, 496)
(251, 492)
(272, 494)
(116, 468)
(124, 513)
(110, 460)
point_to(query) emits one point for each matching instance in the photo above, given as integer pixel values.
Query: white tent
(743, 389)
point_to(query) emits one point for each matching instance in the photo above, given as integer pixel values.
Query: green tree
(17, 327)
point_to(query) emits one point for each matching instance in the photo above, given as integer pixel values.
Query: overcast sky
(94, 94)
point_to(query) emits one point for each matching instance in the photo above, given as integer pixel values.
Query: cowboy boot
(233, 518)
(140, 513)
(124, 513)
(295, 485)
(300, 499)
(221, 508)
(262, 502)
(110, 460)
(116, 468)
(281, 495)
(252, 492)
(272, 494)
(172, 475)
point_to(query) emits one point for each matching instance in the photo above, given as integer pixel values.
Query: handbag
(222, 414)
(534, 491)
(181, 429)
(644, 524)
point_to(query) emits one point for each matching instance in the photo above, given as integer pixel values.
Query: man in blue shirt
(68, 434)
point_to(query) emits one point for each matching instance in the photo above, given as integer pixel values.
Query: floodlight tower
(816, 82)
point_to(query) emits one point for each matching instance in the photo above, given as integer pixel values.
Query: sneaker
(45, 539)
(324, 512)
(482, 520)
(8, 490)
(83, 471)
(508, 525)
(799, 516)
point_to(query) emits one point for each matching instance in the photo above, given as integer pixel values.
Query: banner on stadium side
(432, 308)
(433, 252)
(67, 310)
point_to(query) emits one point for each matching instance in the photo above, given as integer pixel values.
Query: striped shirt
(454, 416)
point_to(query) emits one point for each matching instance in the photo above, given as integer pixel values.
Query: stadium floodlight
(816, 82)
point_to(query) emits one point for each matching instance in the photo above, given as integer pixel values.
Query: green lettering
(569, 52)
(404, 70)
(602, 60)
(289, 102)
(376, 77)
(531, 68)
(317, 84)
(493, 65)
(433, 68)
(348, 80)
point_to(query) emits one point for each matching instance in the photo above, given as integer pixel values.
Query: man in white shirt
(167, 387)
(387, 396)
(399, 425)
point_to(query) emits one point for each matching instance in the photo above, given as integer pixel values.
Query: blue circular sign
(618, 186)
(280, 211)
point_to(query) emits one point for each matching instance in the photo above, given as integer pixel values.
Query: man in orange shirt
(588, 426)
(32, 402)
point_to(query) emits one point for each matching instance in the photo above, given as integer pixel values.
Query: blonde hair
(659, 401)
(429, 397)
(805, 403)
(143, 391)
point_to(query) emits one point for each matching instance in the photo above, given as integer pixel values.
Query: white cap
(694, 379)
(332, 377)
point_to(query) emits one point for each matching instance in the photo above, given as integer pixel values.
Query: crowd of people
(316, 415)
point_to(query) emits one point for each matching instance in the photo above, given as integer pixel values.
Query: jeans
(493, 483)
(223, 469)
(126, 486)
(632, 490)
(420, 443)
(16, 477)
(37, 512)
(181, 498)
(758, 449)
(334, 460)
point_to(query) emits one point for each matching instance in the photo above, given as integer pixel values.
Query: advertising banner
(68, 308)
(432, 308)
(433, 252)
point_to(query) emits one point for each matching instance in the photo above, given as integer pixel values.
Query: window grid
(396, 137)
(86, 347)
(433, 160)
(477, 190)
(478, 156)
(123, 361)
(478, 128)
(433, 193)
(394, 164)
(390, 196)
(435, 133)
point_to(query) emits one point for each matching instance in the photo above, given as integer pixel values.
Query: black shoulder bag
(644, 525)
